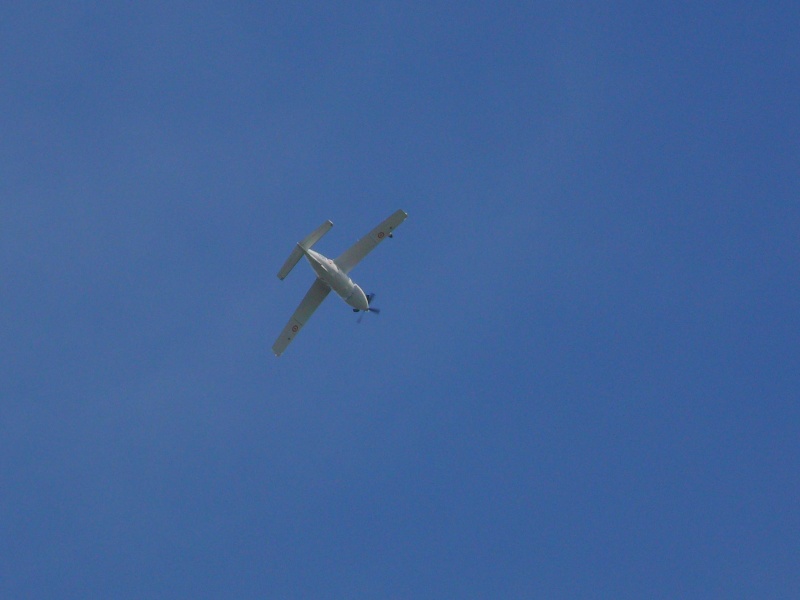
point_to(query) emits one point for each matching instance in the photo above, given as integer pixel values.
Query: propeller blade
(377, 311)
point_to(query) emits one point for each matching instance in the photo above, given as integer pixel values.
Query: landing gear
(355, 310)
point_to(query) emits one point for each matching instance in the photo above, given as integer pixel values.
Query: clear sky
(585, 378)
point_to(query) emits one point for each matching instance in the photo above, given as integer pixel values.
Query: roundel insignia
(294, 328)
(380, 235)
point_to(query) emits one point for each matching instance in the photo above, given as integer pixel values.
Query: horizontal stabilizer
(298, 251)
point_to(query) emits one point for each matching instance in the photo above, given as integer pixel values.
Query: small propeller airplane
(332, 275)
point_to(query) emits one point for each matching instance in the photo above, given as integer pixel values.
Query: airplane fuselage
(336, 279)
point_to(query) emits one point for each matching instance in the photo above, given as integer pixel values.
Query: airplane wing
(365, 245)
(313, 298)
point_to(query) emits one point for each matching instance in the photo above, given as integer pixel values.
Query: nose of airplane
(361, 302)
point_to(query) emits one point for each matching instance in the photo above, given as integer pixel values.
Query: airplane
(332, 275)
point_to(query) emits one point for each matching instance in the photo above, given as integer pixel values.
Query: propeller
(377, 311)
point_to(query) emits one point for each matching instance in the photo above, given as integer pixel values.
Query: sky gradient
(584, 380)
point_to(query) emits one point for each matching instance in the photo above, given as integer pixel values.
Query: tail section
(307, 242)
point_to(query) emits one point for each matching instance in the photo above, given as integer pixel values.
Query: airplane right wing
(313, 298)
(365, 245)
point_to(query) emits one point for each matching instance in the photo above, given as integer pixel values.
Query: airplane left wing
(313, 298)
(365, 245)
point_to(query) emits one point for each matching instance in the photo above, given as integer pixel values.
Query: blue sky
(584, 382)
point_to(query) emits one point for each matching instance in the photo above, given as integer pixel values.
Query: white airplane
(331, 275)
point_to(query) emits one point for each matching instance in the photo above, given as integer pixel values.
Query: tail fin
(311, 239)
